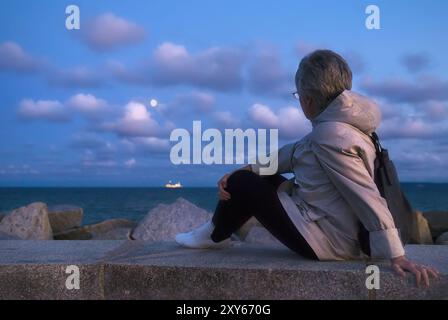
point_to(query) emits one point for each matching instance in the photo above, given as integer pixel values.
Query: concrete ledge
(163, 270)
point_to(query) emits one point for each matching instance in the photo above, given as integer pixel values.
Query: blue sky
(74, 104)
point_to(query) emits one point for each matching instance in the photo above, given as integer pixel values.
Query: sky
(75, 104)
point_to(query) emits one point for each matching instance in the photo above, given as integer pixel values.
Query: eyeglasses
(296, 95)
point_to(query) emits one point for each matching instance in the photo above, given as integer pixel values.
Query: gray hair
(323, 75)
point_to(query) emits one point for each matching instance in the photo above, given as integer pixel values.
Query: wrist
(398, 259)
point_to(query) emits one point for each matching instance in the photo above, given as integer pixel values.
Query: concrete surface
(163, 270)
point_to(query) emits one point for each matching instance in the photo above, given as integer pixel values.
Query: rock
(113, 229)
(421, 233)
(121, 233)
(165, 221)
(6, 236)
(243, 232)
(438, 222)
(261, 235)
(254, 232)
(28, 223)
(442, 239)
(4, 214)
(64, 217)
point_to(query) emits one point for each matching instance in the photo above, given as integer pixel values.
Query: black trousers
(252, 195)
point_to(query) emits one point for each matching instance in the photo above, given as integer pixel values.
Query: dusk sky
(75, 104)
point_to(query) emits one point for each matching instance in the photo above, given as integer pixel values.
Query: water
(134, 203)
(106, 203)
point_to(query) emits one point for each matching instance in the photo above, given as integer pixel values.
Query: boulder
(113, 229)
(120, 233)
(261, 235)
(63, 217)
(6, 236)
(4, 214)
(438, 222)
(166, 220)
(244, 231)
(442, 239)
(254, 232)
(421, 233)
(28, 223)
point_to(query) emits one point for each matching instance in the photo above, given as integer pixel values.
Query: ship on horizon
(171, 185)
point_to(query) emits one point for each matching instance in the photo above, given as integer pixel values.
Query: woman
(317, 213)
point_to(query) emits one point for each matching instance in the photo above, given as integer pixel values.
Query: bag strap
(379, 154)
(376, 142)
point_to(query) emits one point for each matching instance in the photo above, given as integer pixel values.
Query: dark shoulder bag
(386, 179)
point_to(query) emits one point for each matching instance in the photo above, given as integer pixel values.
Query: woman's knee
(242, 181)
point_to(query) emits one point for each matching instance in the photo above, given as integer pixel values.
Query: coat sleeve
(282, 156)
(348, 173)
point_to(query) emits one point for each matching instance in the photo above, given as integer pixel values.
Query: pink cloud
(267, 76)
(51, 110)
(290, 121)
(14, 58)
(217, 68)
(108, 32)
(415, 62)
(191, 103)
(136, 121)
(399, 90)
(88, 105)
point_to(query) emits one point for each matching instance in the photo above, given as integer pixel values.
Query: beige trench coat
(333, 186)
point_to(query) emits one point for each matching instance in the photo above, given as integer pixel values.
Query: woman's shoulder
(338, 134)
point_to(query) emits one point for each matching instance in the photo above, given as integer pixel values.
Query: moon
(153, 103)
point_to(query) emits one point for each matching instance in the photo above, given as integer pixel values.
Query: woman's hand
(222, 185)
(421, 273)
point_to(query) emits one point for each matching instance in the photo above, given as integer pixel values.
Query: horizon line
(163, 187)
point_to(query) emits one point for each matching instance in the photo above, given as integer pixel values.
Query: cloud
(77, 77)
(266, 75)
(426, 120)
(418, 127)
(415, 62)
(406, 128)
(354, 59)
(50, 110)
(226, 119)
(303, 48)
(191, 103)
(130, 163)
(290, 121)
(200, 101)
(86, 140)
(96, 152)
(87, 105)
(148, 144)
(399, 90)
(14, 58)
(436, 110)
(108, 32)
(24, 169)
(136, 121)
(216, 68)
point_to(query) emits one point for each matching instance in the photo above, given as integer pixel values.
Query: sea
(134, 203)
